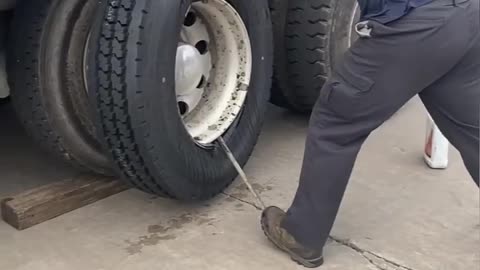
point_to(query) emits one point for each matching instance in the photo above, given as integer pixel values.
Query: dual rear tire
(81, 70)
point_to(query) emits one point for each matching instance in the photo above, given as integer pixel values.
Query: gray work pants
(435, 52)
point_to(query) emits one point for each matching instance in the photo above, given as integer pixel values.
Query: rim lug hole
(202, 46)
(201, 83)
(182, 107)
(190, 19)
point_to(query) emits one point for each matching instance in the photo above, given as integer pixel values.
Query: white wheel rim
(213, 69)
(355, 15)
(85, 61)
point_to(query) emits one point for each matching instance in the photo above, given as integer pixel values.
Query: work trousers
(434, 52)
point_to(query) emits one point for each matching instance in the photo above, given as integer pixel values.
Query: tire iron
(241, 173)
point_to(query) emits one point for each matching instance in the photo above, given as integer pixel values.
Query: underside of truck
(143, 89)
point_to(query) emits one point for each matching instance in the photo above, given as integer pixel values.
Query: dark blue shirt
(385, 11)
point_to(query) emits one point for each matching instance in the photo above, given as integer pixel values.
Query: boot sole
(299, 260)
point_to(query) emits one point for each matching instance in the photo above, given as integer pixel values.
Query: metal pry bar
(240, 171)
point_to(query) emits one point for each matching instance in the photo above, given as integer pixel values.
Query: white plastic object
(436, 146)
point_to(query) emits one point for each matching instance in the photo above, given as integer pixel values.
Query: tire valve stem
(241, 173)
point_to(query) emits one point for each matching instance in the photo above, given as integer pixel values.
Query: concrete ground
(397, 213)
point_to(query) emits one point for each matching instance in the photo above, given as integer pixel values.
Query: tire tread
(118, 133)
(305, 37)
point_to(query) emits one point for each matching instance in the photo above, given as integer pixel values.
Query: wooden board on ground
(38, 205)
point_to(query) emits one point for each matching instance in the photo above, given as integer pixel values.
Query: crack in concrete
(364, 253)
(242, 200)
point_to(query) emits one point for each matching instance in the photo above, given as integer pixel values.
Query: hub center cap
(189, 68)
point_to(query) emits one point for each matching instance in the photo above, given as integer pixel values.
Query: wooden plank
(38, 205)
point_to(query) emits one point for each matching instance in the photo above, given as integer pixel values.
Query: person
(406, 47)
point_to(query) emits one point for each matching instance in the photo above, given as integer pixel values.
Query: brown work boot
(272, 218)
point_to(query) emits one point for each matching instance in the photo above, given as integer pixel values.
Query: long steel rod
(240, 171)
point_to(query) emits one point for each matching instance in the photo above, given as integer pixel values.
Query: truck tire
(46, 74)
(310, 37)
(161, 135)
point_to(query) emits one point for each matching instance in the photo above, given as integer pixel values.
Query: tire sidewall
(45, 104)
(58, 86)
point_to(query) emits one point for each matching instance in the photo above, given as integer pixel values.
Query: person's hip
(433, 14)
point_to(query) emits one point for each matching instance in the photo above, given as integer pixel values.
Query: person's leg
(454, 104)
(378, 75)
